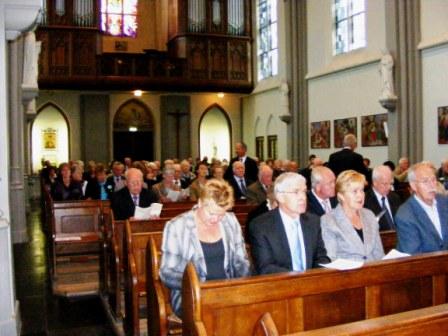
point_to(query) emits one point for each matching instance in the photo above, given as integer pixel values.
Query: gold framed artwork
(373, 131)
(320, 134)
(343, 127)
(49, 139)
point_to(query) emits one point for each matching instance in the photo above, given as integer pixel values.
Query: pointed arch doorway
(133, 134)
(215, 134)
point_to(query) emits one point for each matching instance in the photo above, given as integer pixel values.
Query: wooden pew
(315, 299)
(75, 246)
(137, 237)
(424, 321)
(389, 240)
(160, 315)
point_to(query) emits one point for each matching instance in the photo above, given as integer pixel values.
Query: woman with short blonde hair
(351, 231)
(208, 236)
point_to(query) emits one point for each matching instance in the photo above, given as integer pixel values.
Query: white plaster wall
(350, 93)
(68, 102)
(346, 85)
(435, 88)
(434, 21)
(152, 101)
(320, 37)
(261, 118)
(261, 108)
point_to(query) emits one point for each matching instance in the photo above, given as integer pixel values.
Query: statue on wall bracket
(387, 99)
(285, 115)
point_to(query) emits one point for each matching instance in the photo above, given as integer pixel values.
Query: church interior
(101, 80)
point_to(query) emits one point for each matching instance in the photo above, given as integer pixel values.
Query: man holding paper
(125, 200)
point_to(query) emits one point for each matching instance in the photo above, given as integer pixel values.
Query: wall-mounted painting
(320, 134)
(373, 130)
(442, 113)
(49, 139)
(343, 127)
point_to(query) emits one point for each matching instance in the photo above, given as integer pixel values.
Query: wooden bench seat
(315, 299)
(424, 321)
(76, 242)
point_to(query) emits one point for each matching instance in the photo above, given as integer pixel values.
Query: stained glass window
(267, 39)
(349, 25)
(119, 17)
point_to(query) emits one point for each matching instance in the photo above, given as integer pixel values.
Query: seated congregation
(235, 242)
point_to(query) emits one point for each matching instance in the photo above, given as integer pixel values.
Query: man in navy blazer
(250, 165)
(422, 221)
(287, 239)
(347, 158)
(321, 197)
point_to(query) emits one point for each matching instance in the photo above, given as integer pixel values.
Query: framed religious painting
(373, 130)
(320, 134)
(442, 114)
(343, 127)
(49, 139)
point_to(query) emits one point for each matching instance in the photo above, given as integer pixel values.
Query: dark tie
(387, 215)
(135, 199)
(243, 187)
(117, 179)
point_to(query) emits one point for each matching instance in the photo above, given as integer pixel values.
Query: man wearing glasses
(381, 199)
(422, 221)
(287, 239)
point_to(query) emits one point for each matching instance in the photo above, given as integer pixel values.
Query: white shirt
(322, 202)
(432, 213)
(380, 201)
(290, 228)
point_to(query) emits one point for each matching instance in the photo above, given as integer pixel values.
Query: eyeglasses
(427, 180)
(296, 192)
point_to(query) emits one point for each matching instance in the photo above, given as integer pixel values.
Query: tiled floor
(42, 313)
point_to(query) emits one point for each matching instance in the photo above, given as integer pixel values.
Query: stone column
(402, 38)
(296, 73)
(16, 143)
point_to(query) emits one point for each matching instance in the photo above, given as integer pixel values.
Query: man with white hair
(256, 193)
(401, 172)
(381, 199)
(321, 197)
(422, 221)
(238, 181)
(287, 238)
(126, 199)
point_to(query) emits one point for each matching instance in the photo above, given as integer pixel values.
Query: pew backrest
(314, 299)
(424, 321)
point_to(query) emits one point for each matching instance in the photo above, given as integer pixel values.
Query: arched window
(214, 133)
(49, 137)
(119, 17)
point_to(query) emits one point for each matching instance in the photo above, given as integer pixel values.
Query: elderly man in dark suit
(250, 166)
(321, 197)
(287, 239)
(116, 180)
(422, 221)
(238, 181)
(381, 199)
(347, 158)
(125, 200)
(256, 193)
